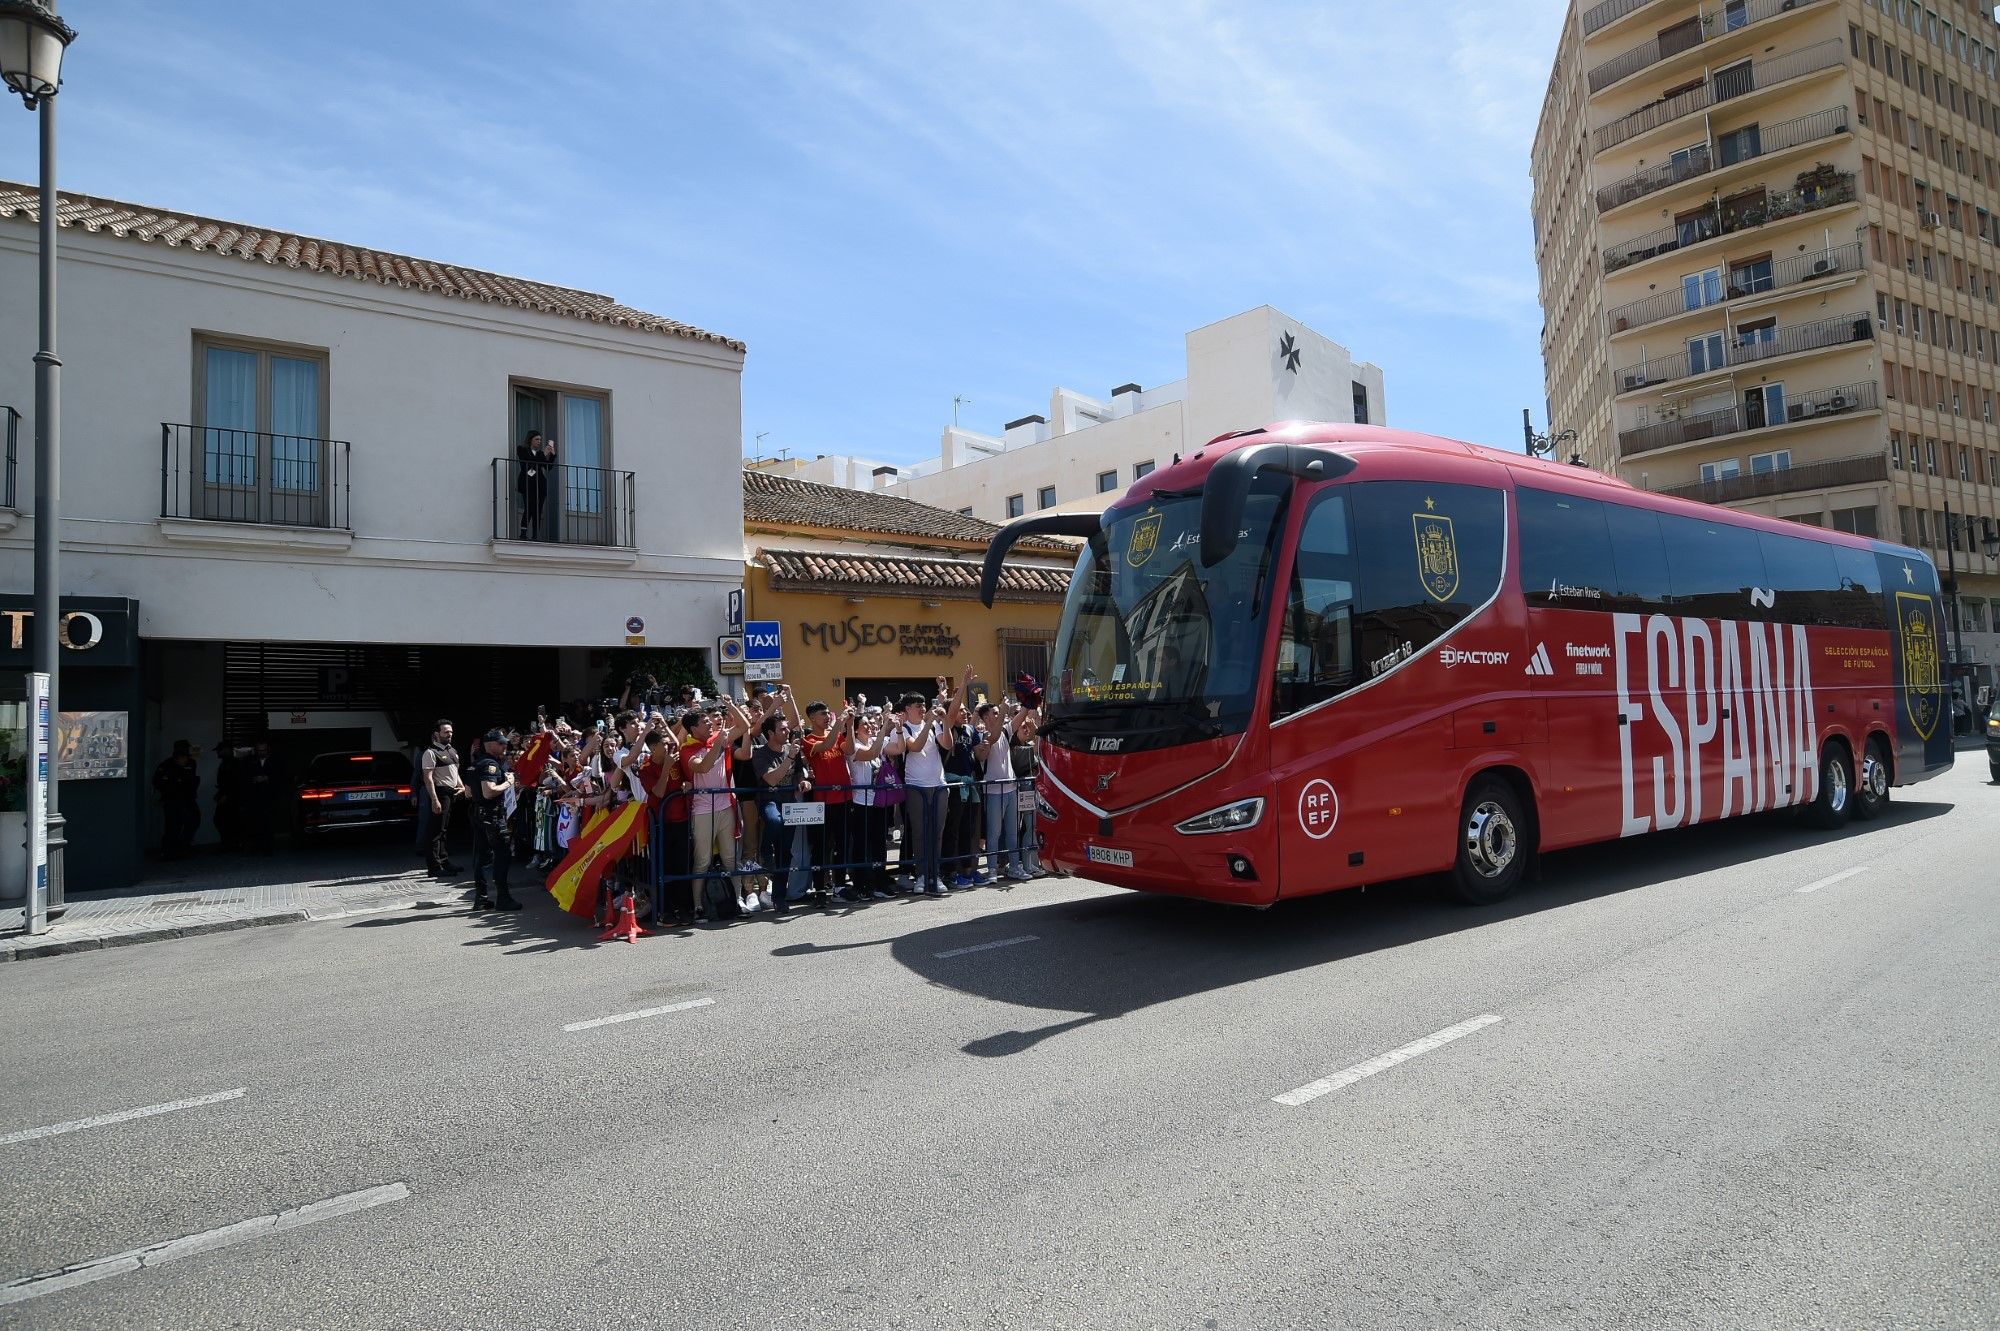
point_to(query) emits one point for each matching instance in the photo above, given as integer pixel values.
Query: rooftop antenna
(957, 402)
(759, 445)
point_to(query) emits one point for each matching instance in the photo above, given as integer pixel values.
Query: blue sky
(891, 203)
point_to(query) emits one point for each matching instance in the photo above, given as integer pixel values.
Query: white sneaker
(1019, 875)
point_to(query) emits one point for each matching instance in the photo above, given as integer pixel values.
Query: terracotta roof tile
(895, 575)
(781, 501)
(130, 221)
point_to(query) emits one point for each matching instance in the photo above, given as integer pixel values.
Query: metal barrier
(807, 865)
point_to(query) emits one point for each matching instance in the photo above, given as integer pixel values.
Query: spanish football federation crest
(1145, 539)
(1923, 696)
(1437, 555)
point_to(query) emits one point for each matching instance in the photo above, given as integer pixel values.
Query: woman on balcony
(537, 462)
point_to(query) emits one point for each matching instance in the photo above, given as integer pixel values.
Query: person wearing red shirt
(669, 842)
(827, 748)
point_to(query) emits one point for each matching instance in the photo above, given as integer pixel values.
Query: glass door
(261, 454)
(588, 502)
(228, 470)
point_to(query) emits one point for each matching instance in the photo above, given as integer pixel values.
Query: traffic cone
(625, 921)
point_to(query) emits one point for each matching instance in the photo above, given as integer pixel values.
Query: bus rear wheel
(1871, 799)
(1492, 843)
(1829, 808)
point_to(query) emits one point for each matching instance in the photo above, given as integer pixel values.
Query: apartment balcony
(1818, 190)
(1711, 26)
(1731, 352)
(1860, 469)
(1704, 158)
(1609, 12)
(1797, 270)
(1737, 81)
(1846, 400)
(563, 506)
(216, 474)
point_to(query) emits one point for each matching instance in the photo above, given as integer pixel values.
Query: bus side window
(1565, 551)
(1640, 558)
(1802, 579)
(1316, 644)
(1714, 567)
(1858, 603)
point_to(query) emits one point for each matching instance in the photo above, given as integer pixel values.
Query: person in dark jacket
(534, 467)
(178, 783)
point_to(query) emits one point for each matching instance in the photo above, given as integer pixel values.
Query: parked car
(1993, 745)
(356, 790)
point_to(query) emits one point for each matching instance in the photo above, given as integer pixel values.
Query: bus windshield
(1154, 647)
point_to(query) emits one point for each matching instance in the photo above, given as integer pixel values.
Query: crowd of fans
(749, 807)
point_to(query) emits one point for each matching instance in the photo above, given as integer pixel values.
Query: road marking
(122, 1116)
(634, 1016)
(1830, 881)
(985, 947)
(172, 1250)
(1382, 1062)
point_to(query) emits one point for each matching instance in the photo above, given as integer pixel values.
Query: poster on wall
(91, 746)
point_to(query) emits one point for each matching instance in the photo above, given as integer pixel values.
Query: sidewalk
(213, 893)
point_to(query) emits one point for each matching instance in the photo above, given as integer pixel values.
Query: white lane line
(985, 947)
(172, 1250)
(1382, 1062)
(634, 1016)
(1831, 880)
(122, 1116)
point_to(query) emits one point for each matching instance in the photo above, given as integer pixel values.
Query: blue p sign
(761, 641)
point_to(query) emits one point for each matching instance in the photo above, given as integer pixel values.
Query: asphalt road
(1711, 1099)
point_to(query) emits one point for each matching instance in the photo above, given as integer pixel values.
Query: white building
(290, 463)
(1250, 370)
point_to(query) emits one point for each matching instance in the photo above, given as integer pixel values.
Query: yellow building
(878, 595)
(1768, 233)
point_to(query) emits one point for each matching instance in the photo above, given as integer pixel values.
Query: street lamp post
(1544, 445)
(32, 42)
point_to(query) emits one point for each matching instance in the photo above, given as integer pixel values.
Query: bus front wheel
(1492, 843)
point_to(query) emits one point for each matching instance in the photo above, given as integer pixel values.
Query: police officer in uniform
(488, 782)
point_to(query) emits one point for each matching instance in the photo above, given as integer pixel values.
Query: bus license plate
(1106, 855)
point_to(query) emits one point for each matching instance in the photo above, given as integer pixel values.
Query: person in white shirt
(994, 757)
(921, 735)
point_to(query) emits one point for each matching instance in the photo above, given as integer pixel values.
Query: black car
(1993, 744)
(356, 790)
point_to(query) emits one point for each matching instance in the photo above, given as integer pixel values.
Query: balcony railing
(1714, 23)
(1859, 469)
(219, 474)
(1703, 159)
(1841, 401)
(13, 437)
(563, 505)
(1725, 84)
(1747, 348)
(1698, 294)
(1716, 221)
(1603, 15)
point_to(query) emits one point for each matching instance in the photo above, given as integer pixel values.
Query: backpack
(889, 782)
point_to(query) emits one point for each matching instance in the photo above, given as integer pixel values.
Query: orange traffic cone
(624, 922)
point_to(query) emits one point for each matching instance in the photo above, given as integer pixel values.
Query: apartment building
(1244, 371)
(1768, 233)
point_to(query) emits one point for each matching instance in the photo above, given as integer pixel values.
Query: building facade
(878, 595)
(1768, 233)
(1249, 370)
(295, 462)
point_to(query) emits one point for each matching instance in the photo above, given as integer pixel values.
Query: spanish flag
(534, 759)
(600, 843)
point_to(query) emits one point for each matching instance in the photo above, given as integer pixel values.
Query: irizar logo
(1453, 656)
(1107, 744)
(1538, 664)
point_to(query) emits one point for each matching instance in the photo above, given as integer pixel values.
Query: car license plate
(353, 795)
(1107, 855)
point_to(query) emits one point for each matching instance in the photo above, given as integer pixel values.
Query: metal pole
(48, 510)
(1951, 586)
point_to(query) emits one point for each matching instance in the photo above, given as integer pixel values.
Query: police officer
(488, 781)
(177, 783)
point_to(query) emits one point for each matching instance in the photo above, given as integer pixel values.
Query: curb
(31, 949)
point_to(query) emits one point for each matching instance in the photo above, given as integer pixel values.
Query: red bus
(1316, 656)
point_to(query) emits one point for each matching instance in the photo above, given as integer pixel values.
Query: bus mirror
(1041, 524)
(1227, 488)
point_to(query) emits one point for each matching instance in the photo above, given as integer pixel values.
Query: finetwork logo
(1539, 663)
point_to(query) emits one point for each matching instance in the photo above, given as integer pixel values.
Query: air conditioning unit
(1821, 267)
(1931, 221)
(1795, 411)
(1838, 403)
(1637, 379)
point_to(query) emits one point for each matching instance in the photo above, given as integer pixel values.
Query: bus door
(1923, 723)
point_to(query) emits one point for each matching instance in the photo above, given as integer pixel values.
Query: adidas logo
(1539, 664)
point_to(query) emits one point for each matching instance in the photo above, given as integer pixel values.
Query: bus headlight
(1229, 818)
(1043, 807)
